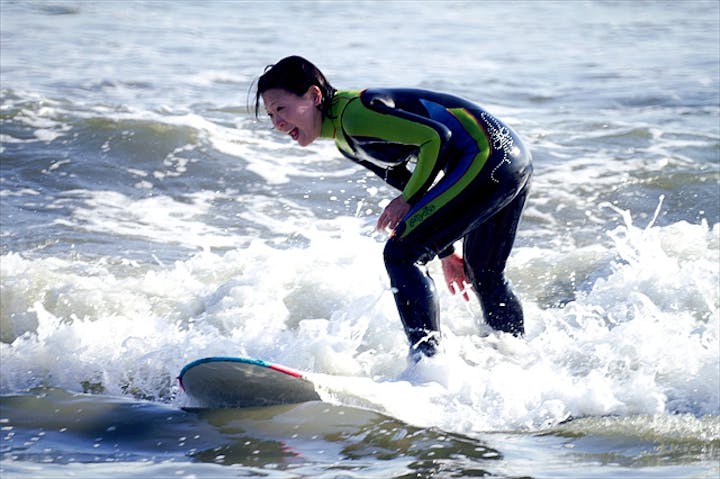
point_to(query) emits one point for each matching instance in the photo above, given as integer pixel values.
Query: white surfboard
(227, 382)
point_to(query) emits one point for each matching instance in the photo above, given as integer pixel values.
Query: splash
(639, 335)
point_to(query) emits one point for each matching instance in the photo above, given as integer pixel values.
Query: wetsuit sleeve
(397, 177)
(385, 122)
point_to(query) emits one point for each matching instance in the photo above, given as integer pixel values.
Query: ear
(315, 94)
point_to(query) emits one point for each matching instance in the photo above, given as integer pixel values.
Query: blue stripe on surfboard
(216, 359)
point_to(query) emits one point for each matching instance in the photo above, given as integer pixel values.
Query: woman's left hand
(453, 268)
(393, 214)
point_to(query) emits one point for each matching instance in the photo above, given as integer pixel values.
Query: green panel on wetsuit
(331, 127)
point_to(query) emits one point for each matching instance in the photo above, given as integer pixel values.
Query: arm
(396, 177)
(377, 117)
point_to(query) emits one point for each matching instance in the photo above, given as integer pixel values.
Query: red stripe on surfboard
(285, 370)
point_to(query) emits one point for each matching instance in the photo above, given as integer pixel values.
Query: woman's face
(298, 116)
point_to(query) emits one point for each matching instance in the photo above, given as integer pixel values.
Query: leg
(481, 206)
(486, 250)
(415, 297)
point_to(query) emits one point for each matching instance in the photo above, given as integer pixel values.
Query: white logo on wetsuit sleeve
(501, 140)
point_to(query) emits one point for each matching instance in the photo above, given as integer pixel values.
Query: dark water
(59, 431)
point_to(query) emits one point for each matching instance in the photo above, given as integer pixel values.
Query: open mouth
(294, 133)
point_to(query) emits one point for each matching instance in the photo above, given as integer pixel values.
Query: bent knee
(397, 252)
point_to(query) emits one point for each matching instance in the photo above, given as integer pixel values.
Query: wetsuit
(470, 180)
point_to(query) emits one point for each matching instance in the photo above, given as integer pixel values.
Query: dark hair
(296, 75)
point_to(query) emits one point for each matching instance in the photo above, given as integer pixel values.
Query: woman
(470, 179)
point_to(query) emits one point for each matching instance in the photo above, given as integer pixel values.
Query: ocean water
(148, 219)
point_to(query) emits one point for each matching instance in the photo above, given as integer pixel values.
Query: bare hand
(393, 214)
(454, 271)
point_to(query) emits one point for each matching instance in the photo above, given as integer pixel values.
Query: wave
(121, 327)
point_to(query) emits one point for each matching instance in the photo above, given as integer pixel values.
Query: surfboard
(228, 382)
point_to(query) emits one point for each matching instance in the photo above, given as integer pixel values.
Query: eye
(274, 111)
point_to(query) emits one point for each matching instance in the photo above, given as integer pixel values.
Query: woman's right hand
(393, 214)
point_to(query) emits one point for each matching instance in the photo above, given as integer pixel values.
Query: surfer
(462, 173)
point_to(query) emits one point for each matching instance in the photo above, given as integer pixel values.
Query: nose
(279, 122)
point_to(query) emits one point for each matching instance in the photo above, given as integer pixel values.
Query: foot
(426, 347)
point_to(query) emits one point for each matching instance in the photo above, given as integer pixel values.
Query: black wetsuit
(470, 180)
